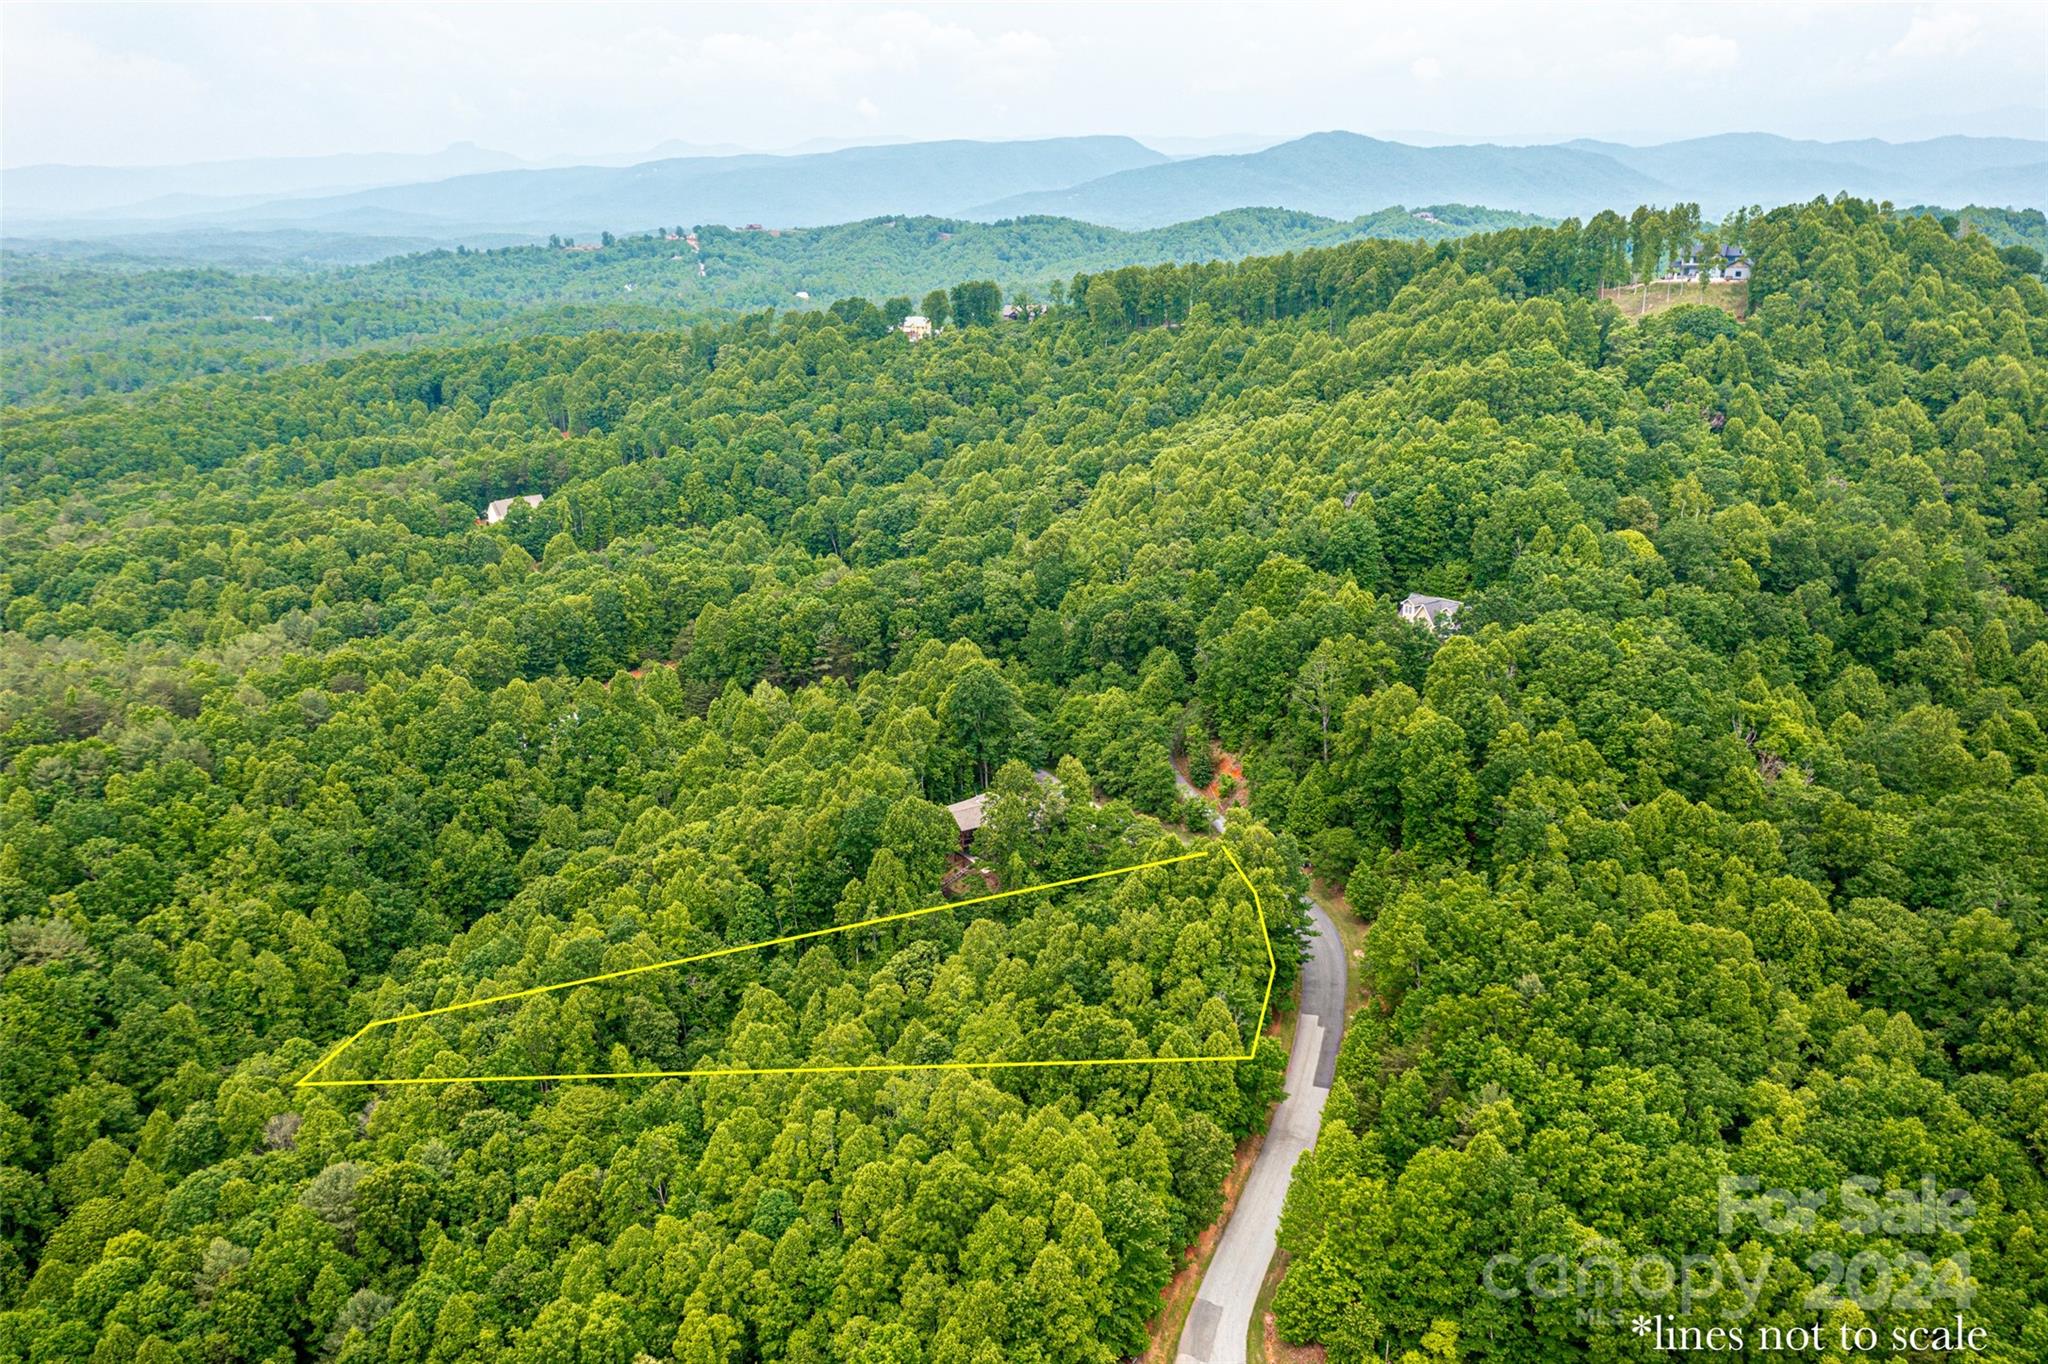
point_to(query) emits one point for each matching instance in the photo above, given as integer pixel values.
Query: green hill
(1704, 859)
(81, 320)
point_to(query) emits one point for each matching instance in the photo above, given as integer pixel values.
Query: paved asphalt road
(1221, 1318)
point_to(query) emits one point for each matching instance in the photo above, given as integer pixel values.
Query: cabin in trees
(498, 510)
(916, 327)
(1435, 613)
(970, 814)
(967, 817)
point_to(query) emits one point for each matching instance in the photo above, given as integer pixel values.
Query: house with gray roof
(1434, 613)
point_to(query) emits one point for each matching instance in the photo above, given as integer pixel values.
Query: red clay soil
(1227, 765)
(1279, 1351)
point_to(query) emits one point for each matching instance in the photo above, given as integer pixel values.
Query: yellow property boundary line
(308, 1080)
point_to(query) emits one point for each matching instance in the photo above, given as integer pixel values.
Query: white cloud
(1948, 33)
(1701, 52)
(178, 82)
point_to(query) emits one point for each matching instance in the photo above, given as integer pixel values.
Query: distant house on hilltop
(1727, 265)
(1434, 613)
(498, 510)
(917, 327)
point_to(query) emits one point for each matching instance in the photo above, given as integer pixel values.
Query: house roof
(1431, 609)
(967, 814)
(496, 511)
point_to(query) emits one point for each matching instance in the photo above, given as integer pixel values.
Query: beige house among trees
(1436, 613)
(497, 511)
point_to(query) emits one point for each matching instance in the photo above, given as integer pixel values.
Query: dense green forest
(72, 327)
(1711, 844)
(2005, 227)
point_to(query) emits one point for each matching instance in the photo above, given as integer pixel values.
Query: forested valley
(1712, 843)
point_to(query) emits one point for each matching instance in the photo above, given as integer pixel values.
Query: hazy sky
(143, 84)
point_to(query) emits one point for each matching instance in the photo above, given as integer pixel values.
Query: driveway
(1221, 1318)
(1188, 792)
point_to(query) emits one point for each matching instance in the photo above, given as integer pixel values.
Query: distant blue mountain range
(1114, 181)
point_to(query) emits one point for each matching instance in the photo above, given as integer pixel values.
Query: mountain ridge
(804, 189)
(1108, 180)
(1310, 174)
(1340, 174)
(55, 187)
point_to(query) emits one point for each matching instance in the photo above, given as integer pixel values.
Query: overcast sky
(152, 84)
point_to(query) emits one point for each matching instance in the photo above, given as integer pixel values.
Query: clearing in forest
(1643, 300)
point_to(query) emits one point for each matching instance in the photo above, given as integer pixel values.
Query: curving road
(1221, 1318)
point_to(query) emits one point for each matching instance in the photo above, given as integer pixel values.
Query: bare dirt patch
(1644, 300)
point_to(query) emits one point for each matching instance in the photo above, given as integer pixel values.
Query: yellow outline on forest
(307, 1081)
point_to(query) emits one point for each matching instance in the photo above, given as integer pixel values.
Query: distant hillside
(1761, 168)
(1342, 175)
(80, 319)
(780, 191)
(154, 191)
(908, 255)
(1109, 181)
(282, 248)
(2004, 226)
(2021, 186)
